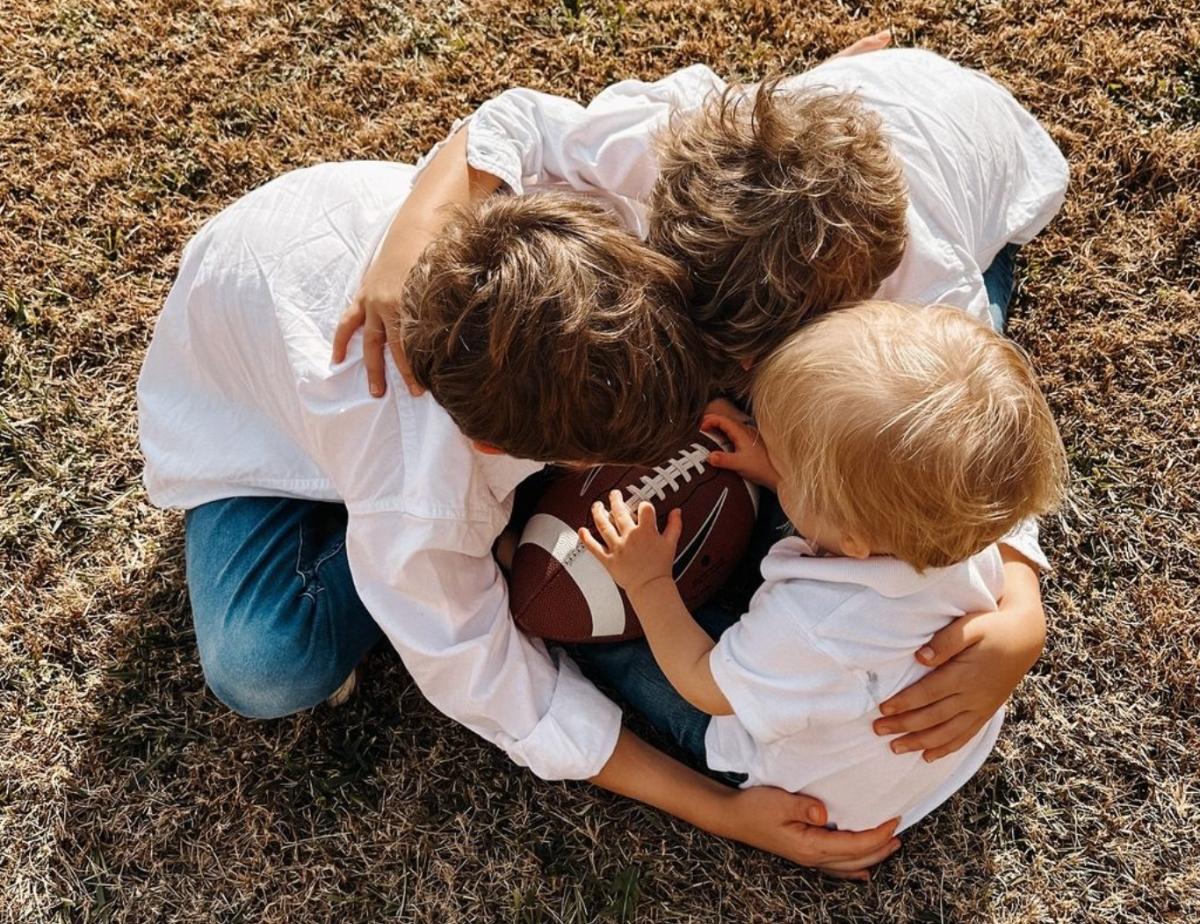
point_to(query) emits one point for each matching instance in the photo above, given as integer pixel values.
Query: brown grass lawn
(128, 793)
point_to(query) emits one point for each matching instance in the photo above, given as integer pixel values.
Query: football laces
(668, 475)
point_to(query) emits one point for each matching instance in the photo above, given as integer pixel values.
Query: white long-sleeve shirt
(980, 171)
(237, 396)
(825, 641)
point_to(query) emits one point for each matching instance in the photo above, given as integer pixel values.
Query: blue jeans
(279, 624)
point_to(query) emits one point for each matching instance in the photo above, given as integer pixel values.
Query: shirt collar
(887, 576)
(504, 473)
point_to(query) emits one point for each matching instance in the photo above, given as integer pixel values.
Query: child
(315, 518)
(903, 443)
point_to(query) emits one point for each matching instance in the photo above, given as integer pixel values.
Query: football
(560, 591)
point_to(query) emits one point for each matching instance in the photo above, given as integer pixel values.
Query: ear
(746, 364)
(487, 448)
(854, 546)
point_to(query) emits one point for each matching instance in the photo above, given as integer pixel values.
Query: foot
(345, 691)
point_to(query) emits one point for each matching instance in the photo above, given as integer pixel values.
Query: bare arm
(785, 824)
(447, 181)
(680, 646)
(980, 659)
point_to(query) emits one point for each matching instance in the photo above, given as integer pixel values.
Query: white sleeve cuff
(490, 150)
(1023, 538)
(578, 733)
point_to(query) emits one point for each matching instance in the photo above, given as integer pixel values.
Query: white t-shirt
(827, 640)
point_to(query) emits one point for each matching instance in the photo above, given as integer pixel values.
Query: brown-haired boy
(549, 332)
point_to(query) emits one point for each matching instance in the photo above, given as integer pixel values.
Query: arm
(782, 823)
(518, 136)
(607, 145)
(680, 646)
(980, 659)
(639, 558)
(436, 591)
(447, 181)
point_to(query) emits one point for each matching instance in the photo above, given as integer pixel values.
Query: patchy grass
(128, 794)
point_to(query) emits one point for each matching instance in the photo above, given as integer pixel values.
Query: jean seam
(317, 587)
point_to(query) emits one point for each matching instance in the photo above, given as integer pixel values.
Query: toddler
(902, 443)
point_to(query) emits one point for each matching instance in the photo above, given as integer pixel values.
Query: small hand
(634, 551)
(723, 407)
(874, 42)
(749, 457)
(375, 308)
(979, 659)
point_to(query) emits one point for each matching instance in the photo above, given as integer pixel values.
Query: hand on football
(633, 550)
(749, 457)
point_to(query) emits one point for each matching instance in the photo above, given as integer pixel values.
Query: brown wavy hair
(547, 330)
(781, 203)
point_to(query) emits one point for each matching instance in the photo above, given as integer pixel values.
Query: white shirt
(237, 396)
(826, 640)
(981, 172)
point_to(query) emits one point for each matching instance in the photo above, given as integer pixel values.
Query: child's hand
(870, 43)
(635, 553)
(749, 457)
(978, 661)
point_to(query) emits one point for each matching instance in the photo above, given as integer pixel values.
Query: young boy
(894, 173)
(902, 444)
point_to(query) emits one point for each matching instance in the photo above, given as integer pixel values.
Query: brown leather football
(560, 591)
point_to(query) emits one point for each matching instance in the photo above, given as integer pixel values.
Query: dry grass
(127, 793)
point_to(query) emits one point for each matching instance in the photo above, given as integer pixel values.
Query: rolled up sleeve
(1023, 538)
(436, 592)
(522, 136)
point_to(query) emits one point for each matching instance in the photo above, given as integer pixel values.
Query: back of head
(781, 203)
(548, 331)
(918, 429)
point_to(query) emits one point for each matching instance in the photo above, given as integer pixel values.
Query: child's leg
(278, 622)
(998, 280)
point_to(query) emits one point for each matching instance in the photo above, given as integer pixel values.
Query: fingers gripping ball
(560, 591)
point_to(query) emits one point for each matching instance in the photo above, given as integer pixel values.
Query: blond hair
(548, 331)
(781, 203)
(919, 429)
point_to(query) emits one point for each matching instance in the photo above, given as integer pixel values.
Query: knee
(262, 676)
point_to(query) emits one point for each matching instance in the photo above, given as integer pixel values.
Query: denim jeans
(279, 624)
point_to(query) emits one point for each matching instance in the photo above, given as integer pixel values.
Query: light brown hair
(921, 430)
(548, 331)
(781, 203)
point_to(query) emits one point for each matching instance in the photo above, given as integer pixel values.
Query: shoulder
(684, 88)
(894, 68)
